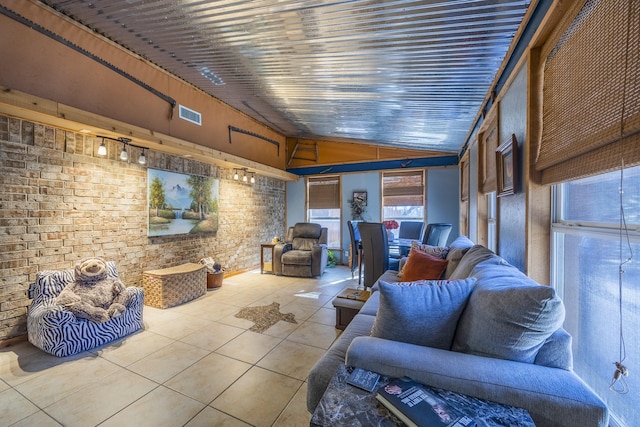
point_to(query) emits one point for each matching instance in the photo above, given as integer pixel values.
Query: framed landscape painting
(181, 204)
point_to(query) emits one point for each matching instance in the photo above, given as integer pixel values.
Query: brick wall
(60, 202)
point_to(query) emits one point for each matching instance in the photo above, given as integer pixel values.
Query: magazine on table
(364, 379)
(355, 294)
(418, 405)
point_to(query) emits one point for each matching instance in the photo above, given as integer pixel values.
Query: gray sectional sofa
(489, 331)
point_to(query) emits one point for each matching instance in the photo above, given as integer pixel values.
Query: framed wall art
(507, 167)
(360, 197)
(181, 204)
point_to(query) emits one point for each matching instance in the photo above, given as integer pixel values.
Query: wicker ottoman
(172, 286)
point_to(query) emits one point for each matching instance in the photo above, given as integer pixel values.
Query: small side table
(266, 266)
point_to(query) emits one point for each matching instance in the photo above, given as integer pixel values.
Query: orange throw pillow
(422, 266)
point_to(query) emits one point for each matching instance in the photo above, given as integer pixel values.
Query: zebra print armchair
(57, 331)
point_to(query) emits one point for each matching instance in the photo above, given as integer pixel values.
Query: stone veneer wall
(60, 202)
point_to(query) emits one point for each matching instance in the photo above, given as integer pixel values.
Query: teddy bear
(93, 295)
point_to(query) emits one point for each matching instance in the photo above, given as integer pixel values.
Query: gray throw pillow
(508, 316)
(470, 259)
(456, 251)
(424, 312)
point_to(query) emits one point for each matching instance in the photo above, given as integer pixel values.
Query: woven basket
(172, 286)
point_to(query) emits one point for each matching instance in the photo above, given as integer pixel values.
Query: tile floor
(192, 365)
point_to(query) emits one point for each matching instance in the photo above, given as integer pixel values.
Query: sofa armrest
(549, 394)
(319, 258)
(49, 315)
(278, 250)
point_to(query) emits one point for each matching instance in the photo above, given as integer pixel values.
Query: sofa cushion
(422, 266)
(297, 257)
(556, 351)
(423, 313)
(508, 316)
(303, 243)
(456, 251)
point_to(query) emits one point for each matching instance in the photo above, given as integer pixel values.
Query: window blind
(324, 192)
(405, 188)
(591, 94)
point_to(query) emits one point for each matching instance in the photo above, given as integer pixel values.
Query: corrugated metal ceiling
(411, 74)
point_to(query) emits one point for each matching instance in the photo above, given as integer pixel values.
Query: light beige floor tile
(24, 362)
(66, 379)
(314, 298)
(292, 359)
(249, 347)
(161, 407)
(295, 414)
(209, 377)
(216, 310)
(3, 386)
(282, 329)
(314, 334)
(258, 397)
(97, 402)
(39, 419)
(178, 327)
(168, 361)
(325, 316)
(134, 347)
(153, 315)
(209, 417)
(212, 337)
(14, 407)
(232, 320)
(301, 310)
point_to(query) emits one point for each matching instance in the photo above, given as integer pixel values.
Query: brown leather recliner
(304, 252)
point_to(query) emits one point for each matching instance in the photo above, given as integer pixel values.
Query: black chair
(437, 234)
(409, 230)
(375, 251)
(356, 251)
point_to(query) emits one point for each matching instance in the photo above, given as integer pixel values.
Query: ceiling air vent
(190, 115)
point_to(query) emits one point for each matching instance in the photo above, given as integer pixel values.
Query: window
(587, 248)
(323, 194)
(403, 196)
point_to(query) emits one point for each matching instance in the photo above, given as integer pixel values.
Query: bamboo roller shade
(591, 94)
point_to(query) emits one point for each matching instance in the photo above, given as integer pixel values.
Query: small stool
(346, 310)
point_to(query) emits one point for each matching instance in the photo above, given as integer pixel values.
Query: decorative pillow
(422, 266)
(508, 317)
(436, 251)
(424, 313)
(457, 249)
(474, 256)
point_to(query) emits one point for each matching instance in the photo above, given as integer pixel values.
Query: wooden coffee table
(345, 405)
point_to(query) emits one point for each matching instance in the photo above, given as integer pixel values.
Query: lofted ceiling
(398, 73)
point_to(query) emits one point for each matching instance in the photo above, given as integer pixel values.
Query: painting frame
(360, 197)
(507, 167)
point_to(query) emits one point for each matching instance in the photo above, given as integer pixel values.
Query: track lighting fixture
(102, 150)
(245, 175)
(142, 159)
(124, 154)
